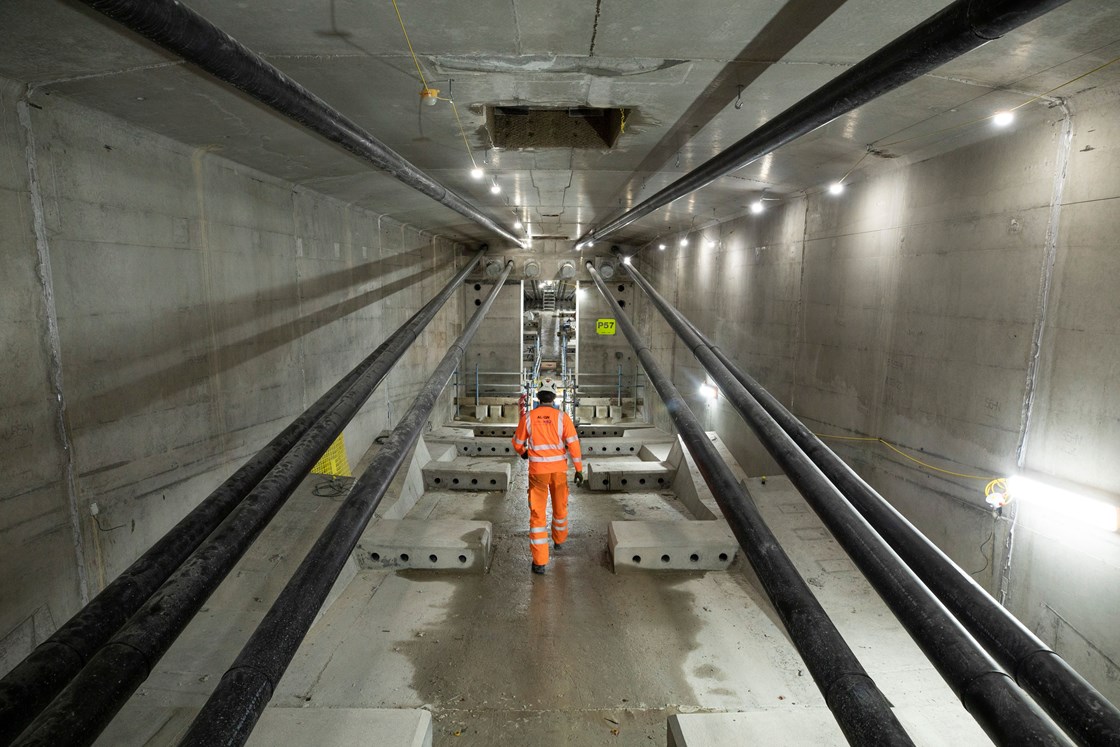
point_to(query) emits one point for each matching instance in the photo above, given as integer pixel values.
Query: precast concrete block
(486, 446)
(602, 412)
(391, 727)
(495, 430)
(789, 726)
(671, 545)
(622, 476)
(639, 477)
(621, 446)
(426, 544)
(465, 473)
(585, 412)
(478, 412)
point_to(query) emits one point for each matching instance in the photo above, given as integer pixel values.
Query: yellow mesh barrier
(334, 461)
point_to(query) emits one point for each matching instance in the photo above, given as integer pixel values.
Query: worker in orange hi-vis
(543, 435)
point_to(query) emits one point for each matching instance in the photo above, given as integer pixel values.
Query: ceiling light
(1089, 511)
(835, 188)
(518, 225)
(661, 247)
(495, 188)
(476, 173)
(756, 207)
(429, 96)
(625, 260)
(1002, 119)
(709, 392)
(709, 243)
(684, 241)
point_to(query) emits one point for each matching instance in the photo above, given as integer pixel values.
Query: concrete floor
(580, 656)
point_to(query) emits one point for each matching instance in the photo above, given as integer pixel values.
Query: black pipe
(944, 36)
(987, 692)
(186, 34)
(233, 708)
(861, 710)
(85, 706)
(1065, 695)
(34, 682)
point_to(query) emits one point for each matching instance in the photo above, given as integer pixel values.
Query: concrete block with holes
(628, 476)
(426, 544)
(495, 446)
(630, 447)
(671, 545)
(467, 473)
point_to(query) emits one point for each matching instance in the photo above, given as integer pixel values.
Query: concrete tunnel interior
(921, 278)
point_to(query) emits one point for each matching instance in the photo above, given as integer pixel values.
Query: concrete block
(627, 476)
(488, 446)
(478, 412)
(495, 430)
(284, 727)
(602, 412)
(620, 446)
(467, 474)
(639, 476)
(586, 412)
(431, 544)
(671, 545)
(779, 727)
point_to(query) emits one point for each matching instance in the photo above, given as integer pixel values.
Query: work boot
(557, 546)
(539, 569)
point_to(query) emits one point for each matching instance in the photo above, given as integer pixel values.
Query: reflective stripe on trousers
(540, 488)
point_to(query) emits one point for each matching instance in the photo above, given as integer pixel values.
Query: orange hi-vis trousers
(540, 486)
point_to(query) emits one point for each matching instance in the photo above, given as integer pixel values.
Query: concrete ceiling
(678, 66)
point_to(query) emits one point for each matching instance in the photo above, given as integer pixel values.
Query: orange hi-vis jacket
(546, 432)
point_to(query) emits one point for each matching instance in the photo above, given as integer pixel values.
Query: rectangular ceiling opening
(519, 127)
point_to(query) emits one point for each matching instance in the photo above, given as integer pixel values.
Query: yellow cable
(424, 82)
(463, 133)
(894, 448)
(409, 43)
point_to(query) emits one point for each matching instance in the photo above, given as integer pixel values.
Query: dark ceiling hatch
(518, 127)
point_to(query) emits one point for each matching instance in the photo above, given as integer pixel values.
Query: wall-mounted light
(429, 96)
(709, 392)
(477, 173)
(835, 188)
(661, 247)
(625, 260)
(1090, 511)
(495, 188)
(684, 241)
(757, 207)
(1002, 119)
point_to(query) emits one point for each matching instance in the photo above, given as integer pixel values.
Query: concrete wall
(496, 347)
(911, 309)
(164, 314)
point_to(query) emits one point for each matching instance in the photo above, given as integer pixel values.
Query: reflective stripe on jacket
(547, 432)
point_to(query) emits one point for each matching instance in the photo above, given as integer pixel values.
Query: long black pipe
(987, 692)
(87, 704)
(32, 684)
(861, 710)
(233, 708)
(944, 36)
(186, 34)
(1071, 701)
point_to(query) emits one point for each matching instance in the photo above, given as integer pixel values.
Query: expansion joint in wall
(53, 346)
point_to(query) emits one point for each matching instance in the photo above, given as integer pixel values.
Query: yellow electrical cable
(894, 448)
(424, 82)
(409, 43)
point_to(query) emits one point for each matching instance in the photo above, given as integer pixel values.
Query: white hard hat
(547, 387)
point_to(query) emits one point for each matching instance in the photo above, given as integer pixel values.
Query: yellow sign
(604, 326)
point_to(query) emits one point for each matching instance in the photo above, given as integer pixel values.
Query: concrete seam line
(53, 344)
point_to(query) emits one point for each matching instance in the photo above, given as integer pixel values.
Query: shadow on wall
(131, 394)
